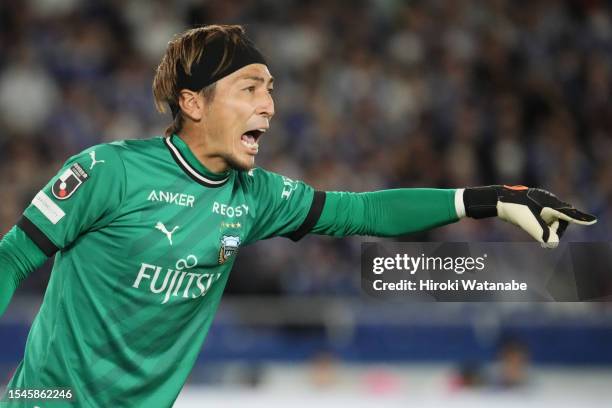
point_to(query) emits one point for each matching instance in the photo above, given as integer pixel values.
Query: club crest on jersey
(69, 182)
(229, 246)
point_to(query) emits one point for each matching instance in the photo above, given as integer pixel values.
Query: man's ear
(192, 104)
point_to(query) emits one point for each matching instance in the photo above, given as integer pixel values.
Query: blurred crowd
(369, 95)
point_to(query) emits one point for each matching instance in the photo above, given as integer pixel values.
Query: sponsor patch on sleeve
(69, 182)
(48, 208)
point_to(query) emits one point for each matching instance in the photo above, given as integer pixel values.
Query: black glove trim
(480, 202)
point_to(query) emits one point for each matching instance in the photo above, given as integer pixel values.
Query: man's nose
(266, 106)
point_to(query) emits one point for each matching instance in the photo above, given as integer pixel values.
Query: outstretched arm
(19, 256)
(293, 209)
(402, 211)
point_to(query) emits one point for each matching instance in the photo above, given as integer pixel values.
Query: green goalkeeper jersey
(145, 239)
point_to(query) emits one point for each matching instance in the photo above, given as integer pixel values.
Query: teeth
(250, 142)
(250, 145)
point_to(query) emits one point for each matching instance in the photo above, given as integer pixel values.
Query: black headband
(207, 70)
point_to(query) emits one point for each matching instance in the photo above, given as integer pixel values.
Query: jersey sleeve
(285, 207)
(85, 195)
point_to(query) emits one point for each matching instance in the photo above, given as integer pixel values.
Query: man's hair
(186, 49)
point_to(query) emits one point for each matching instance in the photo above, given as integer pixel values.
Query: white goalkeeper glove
(540, 213)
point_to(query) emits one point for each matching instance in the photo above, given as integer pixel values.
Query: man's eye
(250, 89)
(270, 91)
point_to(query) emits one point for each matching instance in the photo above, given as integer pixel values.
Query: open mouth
(250, 139)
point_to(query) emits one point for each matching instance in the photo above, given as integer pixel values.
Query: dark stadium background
(369, 95)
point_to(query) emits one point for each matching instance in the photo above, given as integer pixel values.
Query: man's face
(239, 113)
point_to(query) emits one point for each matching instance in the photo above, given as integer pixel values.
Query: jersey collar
(192, 166)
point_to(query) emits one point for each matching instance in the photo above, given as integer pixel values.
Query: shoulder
(103, 153)
(124, 152)
(111, 157)
(258, 181)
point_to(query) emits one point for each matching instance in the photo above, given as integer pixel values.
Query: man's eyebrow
(256, 78)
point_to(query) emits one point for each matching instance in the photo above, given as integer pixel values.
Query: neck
(200, 148)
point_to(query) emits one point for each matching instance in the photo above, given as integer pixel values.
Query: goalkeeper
(145, 232)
